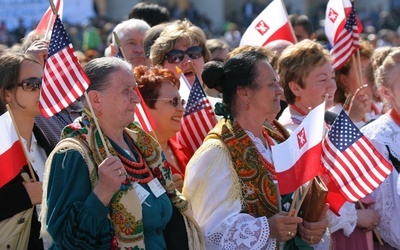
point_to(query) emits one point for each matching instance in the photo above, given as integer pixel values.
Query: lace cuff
(241, 232)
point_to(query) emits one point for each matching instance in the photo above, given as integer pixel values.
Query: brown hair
(149, 82)
(10, 68)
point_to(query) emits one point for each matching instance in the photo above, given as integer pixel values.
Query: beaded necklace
(139, 168)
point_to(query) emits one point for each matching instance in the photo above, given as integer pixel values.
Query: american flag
(351, 161)
(198, 119)
(143, 115)
(346, 34)
(64, 79)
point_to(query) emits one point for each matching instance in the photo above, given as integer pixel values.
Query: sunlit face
(132, 44)
(119, 100)
(265, 99)
(165, 115)
(184, 64)
(23, 100)
(318, 83)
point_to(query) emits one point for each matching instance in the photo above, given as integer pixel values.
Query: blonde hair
(297, 61)
(172, 34)
(384, 75)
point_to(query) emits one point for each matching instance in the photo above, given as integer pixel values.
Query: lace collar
(265, 152)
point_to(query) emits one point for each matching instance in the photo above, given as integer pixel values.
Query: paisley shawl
(125, 208)
(258, 189)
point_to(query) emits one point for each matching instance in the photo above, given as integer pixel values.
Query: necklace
(136, 168)
(395, 116)
(298, 110)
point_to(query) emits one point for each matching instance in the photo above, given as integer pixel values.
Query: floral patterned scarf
(124, 212)
(258, 189)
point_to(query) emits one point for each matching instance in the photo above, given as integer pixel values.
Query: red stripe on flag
(301, 171)
(11, 163)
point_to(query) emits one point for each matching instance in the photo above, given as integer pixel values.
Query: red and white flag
(143, 115)
(270, 25)
(343, 28)
(351, 161)
(64, 79)
(198, 119)
(48, 18)
(184, 86)
(12, 157)
(298, 159)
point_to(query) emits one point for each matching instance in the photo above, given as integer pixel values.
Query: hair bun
(213, 75)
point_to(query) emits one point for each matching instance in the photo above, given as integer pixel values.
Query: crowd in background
(92, 36)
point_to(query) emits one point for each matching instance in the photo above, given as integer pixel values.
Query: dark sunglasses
(174, 101)
(176, 56)
(31, 84)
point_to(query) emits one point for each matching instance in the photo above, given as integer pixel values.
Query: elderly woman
(384, 135)
(99, 200)
(179, 43)
(306, 85)
(230, 179)
(20, 82)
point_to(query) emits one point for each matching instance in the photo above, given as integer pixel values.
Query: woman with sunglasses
(179, 43)
(159, 89)
(20, 82)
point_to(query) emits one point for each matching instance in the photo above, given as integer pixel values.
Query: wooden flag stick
(97, 124)
(119, 44)
(302, 198)
(54, 11)
(375, 232)
(294, 201)
(22, 145)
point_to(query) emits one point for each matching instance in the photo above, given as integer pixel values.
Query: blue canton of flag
(197, 99)
(59, 38)
(351, 161)
(197, 120)
(344, 133)
(351, 20)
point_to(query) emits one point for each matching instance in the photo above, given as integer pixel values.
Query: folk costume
(384, 134)
(136, 216)
(229, 182)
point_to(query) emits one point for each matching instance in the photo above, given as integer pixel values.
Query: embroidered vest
(258, 189)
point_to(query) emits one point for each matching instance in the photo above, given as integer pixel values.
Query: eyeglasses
(31, 84)
(176, 56)
(174, 101)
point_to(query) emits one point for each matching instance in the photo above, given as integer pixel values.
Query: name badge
(156, 187)
(141, 192)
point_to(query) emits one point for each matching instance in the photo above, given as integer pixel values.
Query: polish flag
(298, 159)
(48, 18)
(12, 157)
(270, 25)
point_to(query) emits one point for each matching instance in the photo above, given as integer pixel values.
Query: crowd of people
(99, 181)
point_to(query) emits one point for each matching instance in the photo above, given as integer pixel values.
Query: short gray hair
(99, 70)
(132, 24)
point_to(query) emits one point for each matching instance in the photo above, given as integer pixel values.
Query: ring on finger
(119, 171)
(311, 238)
(289, 233)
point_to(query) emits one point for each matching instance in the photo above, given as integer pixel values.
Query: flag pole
(378, 237)
(54, 12)
(290, 24)
(195, 73)
(23, 147)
